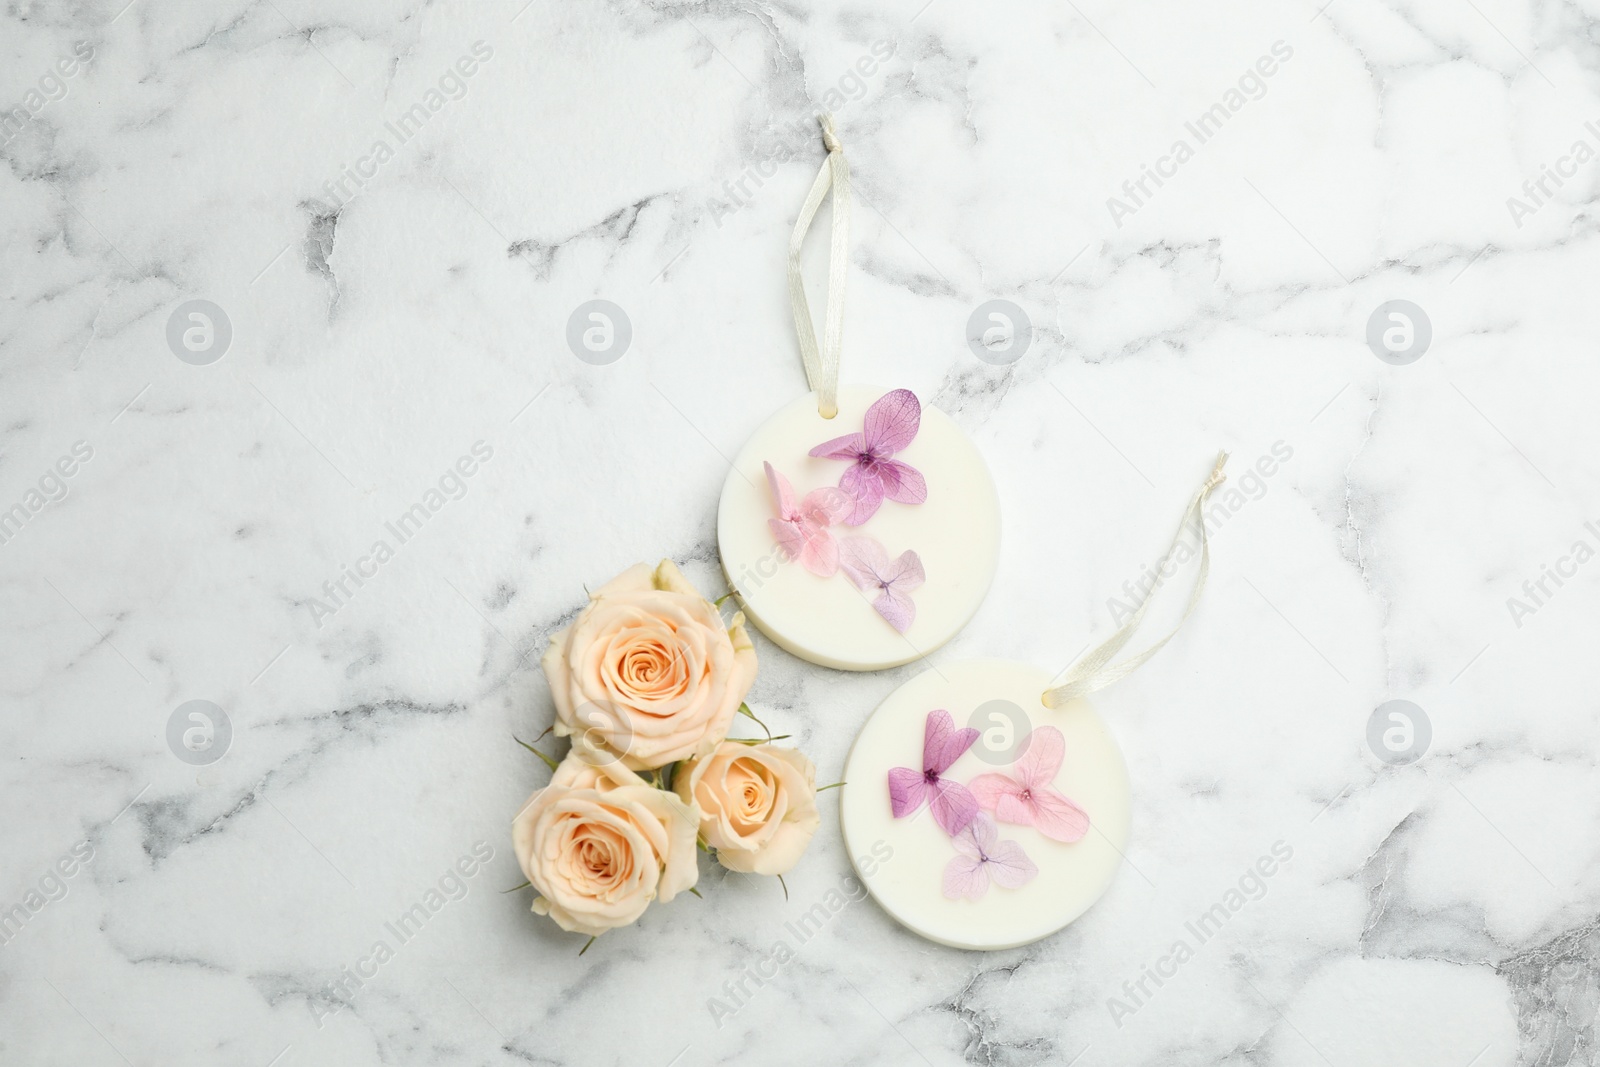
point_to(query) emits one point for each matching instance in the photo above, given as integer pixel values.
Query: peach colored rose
(647, 671)
(599, 844)
(758, 804)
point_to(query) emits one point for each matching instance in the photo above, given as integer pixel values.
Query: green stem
(834, 785)
(513, 889)
(744, 709)
(785, 888)
(586, 945)
(548, 762)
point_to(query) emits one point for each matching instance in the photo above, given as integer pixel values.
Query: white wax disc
(955, 532)
(902, 861)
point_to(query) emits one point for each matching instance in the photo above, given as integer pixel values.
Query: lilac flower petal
(905, 573)
(953, 807)
(865, 487)
(902, 482)
(907, 791)
(965, 877)
(896, 608)
(850, 446)
(947, 748)
(892, 421)
(1009, 866)
(982, 832)
(936, 729)
(862, 560)
(966, 843)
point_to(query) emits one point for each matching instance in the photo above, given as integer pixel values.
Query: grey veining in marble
(397, 208)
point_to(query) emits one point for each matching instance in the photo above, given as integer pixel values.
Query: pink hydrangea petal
(849, 446)
(953, 807)
(892, 421)
(782, 493)
(902, 482)
(1039, 762)
(1058, 818)
(907, 791)
(820, 555)
(1014, 809)
(990, 789)
(1009, 866)
(827, 506)
(789, 537)
(965, 877)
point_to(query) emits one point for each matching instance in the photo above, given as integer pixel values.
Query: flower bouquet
(646, 682)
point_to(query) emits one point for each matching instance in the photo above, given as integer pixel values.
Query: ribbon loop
(1095, 670)
(822, 368)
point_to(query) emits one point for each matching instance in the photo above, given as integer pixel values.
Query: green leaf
(724, 596)
(513, 889)
(547, 760)
(696, 892)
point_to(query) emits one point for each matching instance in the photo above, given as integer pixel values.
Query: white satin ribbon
(822, 369)
(1095, 671)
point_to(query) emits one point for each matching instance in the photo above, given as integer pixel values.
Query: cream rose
(599, 844)
(758, 804)
(647, 671)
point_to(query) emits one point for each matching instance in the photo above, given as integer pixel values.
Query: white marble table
(397, 222)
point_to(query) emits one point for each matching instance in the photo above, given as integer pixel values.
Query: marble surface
(391, 307)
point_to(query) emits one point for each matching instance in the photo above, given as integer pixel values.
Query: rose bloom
(647, 670)
(758, 804)
(599, 844)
